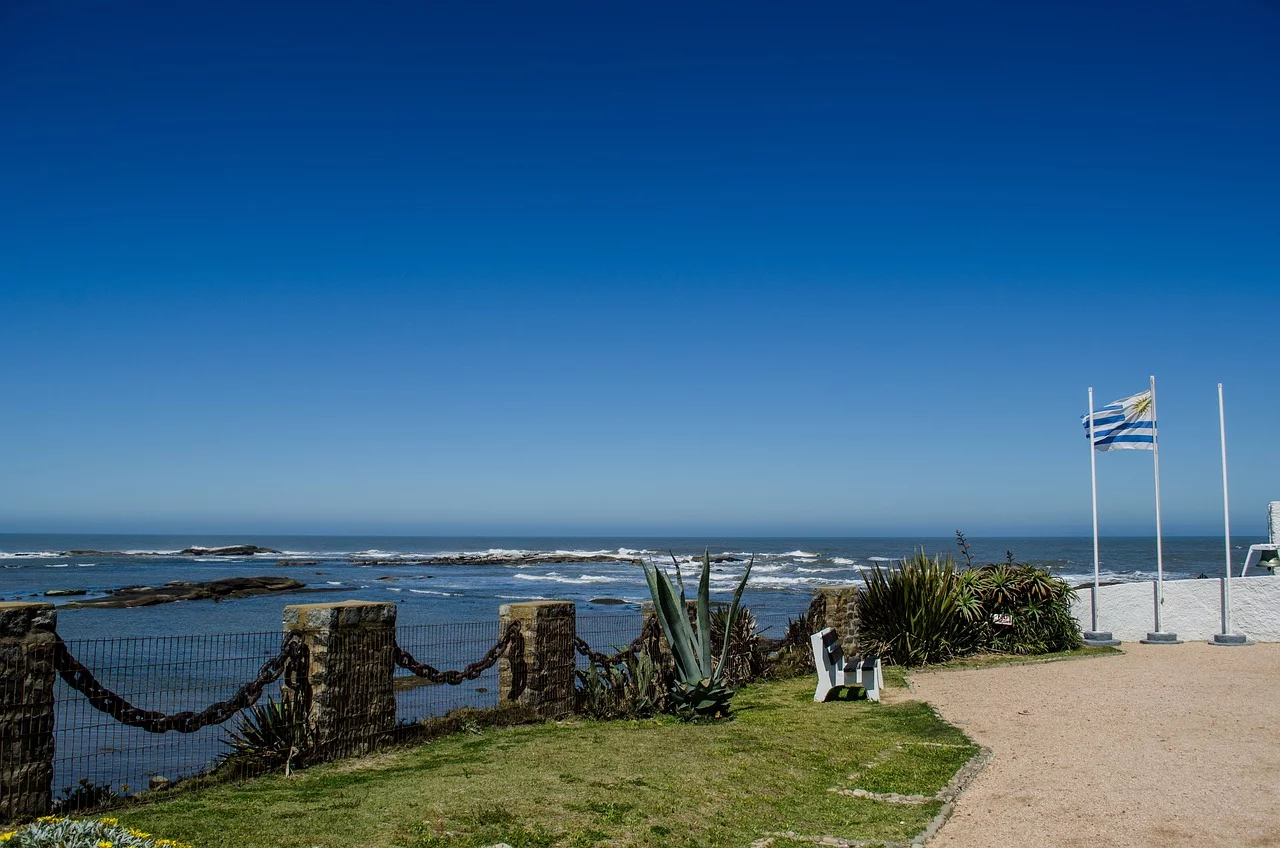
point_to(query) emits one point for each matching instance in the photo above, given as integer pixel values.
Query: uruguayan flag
(1128, 424)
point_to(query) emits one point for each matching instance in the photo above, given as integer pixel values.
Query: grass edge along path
(785, 772)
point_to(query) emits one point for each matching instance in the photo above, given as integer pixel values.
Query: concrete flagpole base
(1230, 639)
(1155, 637)
(1099, 639)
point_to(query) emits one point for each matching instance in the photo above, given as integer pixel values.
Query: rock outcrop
(186, 590)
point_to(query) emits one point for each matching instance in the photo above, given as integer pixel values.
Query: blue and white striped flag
(1127, 424)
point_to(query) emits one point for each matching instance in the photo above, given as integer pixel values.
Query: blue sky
(595, 268)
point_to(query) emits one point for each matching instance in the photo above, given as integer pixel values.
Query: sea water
(785, 574)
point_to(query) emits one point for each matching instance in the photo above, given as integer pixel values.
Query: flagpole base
(1230, 639)
(1155, 637)
(1100, 639)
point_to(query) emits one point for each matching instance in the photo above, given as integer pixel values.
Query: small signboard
(1003, 619)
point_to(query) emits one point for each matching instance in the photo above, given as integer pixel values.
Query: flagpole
(1226, 637)
(1160, 547)
(1155, 449)
(1093, 476)
(1095, 636)
(1226, 516)
(1159, 636)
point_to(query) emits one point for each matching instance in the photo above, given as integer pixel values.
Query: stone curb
(951, 792)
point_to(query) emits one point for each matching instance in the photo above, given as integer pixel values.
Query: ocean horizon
(596, 572)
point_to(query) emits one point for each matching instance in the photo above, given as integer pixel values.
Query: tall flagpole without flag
(1093, 476)
(1226, 637)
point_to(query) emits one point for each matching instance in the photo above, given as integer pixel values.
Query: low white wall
(1192, 608)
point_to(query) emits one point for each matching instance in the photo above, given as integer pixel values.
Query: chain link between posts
(646, 641)
(291, 661)
(511, 639)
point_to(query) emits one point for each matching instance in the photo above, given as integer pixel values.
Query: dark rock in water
(230, 550)
(57, 593)
(609, 601)
(89, 553)
(387, 577)
(186, 590)
(311, 562)
(159, 781)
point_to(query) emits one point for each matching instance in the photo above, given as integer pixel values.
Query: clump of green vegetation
(701, 687)
(926, 610)
(267, 737)
(633, 688)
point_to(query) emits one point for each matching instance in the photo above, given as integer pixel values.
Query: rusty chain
(292, 659)
(648, 634)
(511, 636)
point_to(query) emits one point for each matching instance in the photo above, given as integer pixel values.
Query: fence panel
(446, 646)
(165, 673)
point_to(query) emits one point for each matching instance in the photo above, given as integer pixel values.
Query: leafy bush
(924, 610)
(632, 689)
(56, 832)
(747, 658)
(267, 736)
(86, 795)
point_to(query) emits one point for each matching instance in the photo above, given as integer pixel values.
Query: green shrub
(922, 611)
(267, 737)
(634, 688)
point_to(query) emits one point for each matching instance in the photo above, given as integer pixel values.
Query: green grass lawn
(645, 783)
(988, 660)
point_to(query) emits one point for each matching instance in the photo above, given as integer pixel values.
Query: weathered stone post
(352, 701)
(841, 603)
(548, 659)
(27, 637)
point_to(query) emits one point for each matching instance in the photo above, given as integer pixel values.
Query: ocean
(786, 572)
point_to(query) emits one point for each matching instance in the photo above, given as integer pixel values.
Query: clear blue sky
(649, 268)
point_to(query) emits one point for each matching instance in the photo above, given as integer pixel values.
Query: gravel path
(1160, 746)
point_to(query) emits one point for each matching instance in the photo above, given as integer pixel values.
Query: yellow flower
(5, 837)
(138, 833)
(104, 844)
(112, 822)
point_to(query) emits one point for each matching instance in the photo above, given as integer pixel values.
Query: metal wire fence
(96, 757)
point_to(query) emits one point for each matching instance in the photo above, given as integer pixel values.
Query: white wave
(87, 564)
(843, 561)
(58, 565)
(430, 592)
(393, 589)
(32, 555)
(151, 553)
(801, 554)
(769, 580)
(334, 582)
(553, 577)
(881, 559)
(802, 570)
(522, 597)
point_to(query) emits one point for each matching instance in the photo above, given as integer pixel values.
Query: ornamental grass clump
(923, 611)
(57, 832)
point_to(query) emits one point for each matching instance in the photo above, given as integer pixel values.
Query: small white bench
(836, 672)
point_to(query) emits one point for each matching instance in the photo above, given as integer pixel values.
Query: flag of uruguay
(1127, 424)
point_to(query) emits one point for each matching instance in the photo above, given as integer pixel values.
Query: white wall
(1192, 608)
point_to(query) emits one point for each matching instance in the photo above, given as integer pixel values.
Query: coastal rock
(185, 590)
(298, 562)
(609, 601)
(229, 550)
(58, 593)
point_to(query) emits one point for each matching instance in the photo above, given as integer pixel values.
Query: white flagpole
(1226, 518)
(1093, 475)
(1155, 449)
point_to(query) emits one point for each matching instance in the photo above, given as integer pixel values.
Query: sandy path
(1163, 746)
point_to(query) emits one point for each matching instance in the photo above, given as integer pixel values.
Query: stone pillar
(548, 660)
(352, 701)
(27, 637)
(841, 603)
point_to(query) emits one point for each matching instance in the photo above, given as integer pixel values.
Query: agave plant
(266, 737)
(700, 688)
